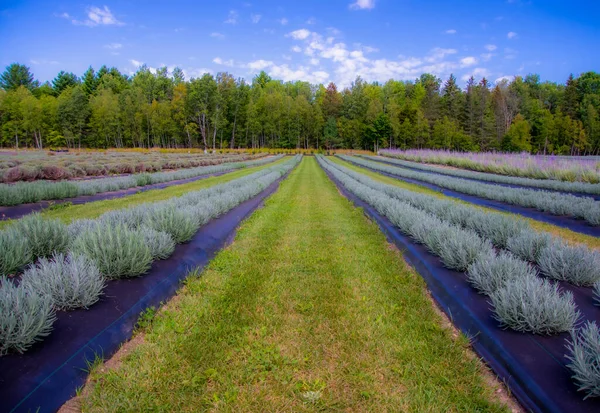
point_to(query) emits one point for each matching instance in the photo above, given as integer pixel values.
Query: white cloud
(220, 61)
(299, 34)
(260, 64)
(136, 63)
(255, 18)
(283, 21)
(330, 59)
(311, 20)
(113, 46)
(490, 47)
(451, 31)
(96, 17)
(362, 5)
(438, 53)
(287, 74)
(232, 17)
(511, 35)
(217, 35)
(468, 61)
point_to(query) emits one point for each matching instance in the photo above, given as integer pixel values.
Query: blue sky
(313, 40)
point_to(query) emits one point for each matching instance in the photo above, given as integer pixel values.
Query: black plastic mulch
(484, 181)
(534, 367)
(48, 374)
(576, 225)
(18, 211)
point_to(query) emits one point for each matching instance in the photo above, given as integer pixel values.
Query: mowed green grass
(95, 209)
(309, 309)
(564, 233)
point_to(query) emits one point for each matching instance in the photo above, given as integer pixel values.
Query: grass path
(95, 209)
(308, 310)
(565, 233)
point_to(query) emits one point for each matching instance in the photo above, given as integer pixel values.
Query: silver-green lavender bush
(175, 222)
(529, 244)
(46, 236)
(160, 243)
(493, 270)
(15, 251)
(117, 251)
(72, 281)
(25, 317)
(584, 356)
(574, 264)
(535, 305)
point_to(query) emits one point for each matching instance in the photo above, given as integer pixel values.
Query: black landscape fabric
(576, 225)
(47, 375)
(18, 211)
(533, 366)
(483, 181)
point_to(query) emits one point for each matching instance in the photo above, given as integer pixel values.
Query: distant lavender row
(27, 192)
(551, 184)
(37, 165)
(562, 168)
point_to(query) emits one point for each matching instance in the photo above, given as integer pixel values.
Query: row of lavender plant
(576, 187)
(545, 201)
(26, 192)
(583, 169)
(71, 264)
(556, 259)
(520, 299)
(32, 165)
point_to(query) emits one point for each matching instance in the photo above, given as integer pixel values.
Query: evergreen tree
(17, 75)
(64, 80)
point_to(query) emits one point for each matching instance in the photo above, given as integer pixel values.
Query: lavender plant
(15, 251)
(551, 202)
(116, 250)
(528, 244)
(180, 224)
(45, 236)
(25, 317)
(574, 264)
(504, 231)
(161, 244)
(492, 271)
(72, 281)
(526, 303)
(550, 184)
(25, 192)
(535, 305)
(583, 352)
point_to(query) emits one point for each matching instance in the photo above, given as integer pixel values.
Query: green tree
(62, 81)
(518, 136)
(16, 75)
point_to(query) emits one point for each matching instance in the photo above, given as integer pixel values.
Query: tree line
(155, 108)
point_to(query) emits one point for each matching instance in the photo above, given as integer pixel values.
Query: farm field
(561, 168)
(70, 212)
(581, 214)
(310, 308)
(34, 165)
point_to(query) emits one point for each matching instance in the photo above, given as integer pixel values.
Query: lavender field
(562, 168)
